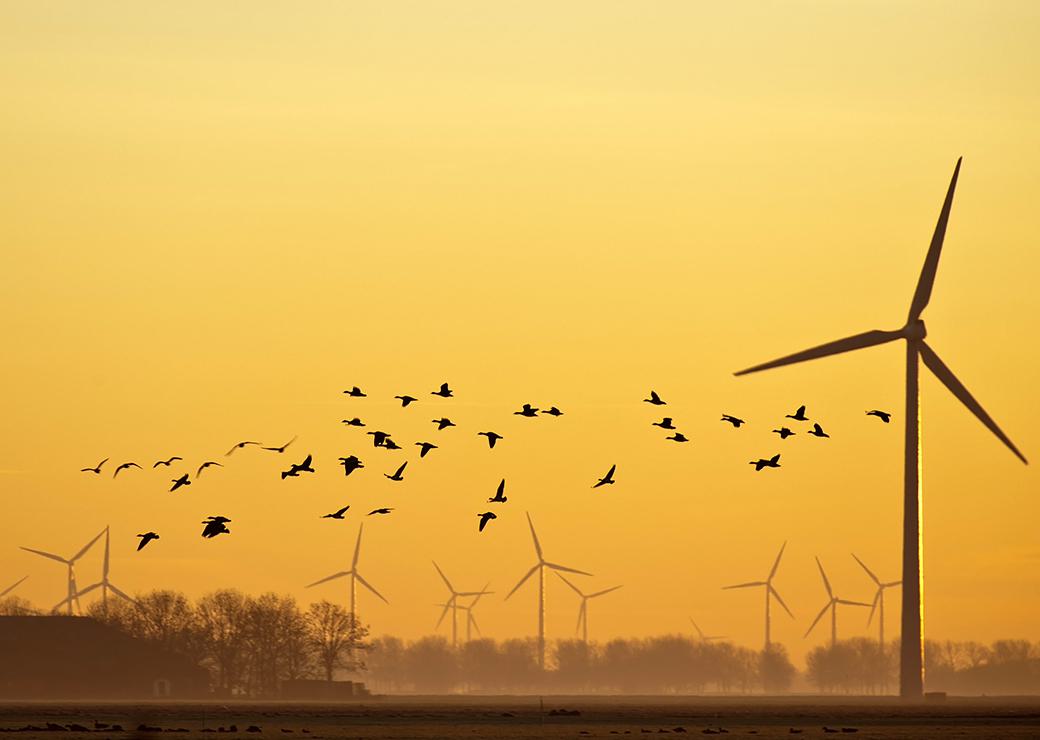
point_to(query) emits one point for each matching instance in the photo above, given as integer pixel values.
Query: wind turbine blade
(873, 606)
(818, 618)
(444, 613)
(334, 576)
(776, 595)
(892, 583)
(87, 590)
(856, 341)
(574, 588)
(83, 550)
(12, 587)
(565, 569)
(370, 587)
(471, 593)
(581, 615)
(521, 581)
(931, 261)
(869, 571)
(357, 547)
(846, 602)
(776, 563)
(943, 373)
(119, 592)
(749, 584)
(699, 632)
(473, 621)
(443, 577)
(483, 591)
(604, 591)
(47, 555)
(537, 545)
(826, 583)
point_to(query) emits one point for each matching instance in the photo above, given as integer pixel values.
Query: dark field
(522, 717)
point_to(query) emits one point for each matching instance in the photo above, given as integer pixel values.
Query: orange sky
(214, 221)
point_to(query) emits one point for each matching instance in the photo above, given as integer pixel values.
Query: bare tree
(336, 636)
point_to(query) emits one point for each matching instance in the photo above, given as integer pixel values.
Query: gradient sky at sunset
(216, 217)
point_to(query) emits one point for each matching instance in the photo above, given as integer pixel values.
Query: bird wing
(306, 462)
(342, 511)
(501, 489)
(400, 470)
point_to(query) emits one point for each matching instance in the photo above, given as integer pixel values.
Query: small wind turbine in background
(878, 605)
(771, 592)
(355, 577)
(832, 604)
(453, 605)
(71, 591)
(12, 587)
(104, 584)
(583, 610)
(703, 637)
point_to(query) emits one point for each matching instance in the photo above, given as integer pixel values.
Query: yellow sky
(214, 219)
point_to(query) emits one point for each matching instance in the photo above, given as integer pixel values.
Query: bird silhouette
(207, 464)
(96, 469)
(178, 482)
(552, 411)
(665, 423)
(817, 431)
(405, 400)
(239, 446)
(885, 416)
(444, 391)
(678, 437)
(378, 438)
(443, 423)
(500, 494)
(784, 432)
(294, 469)
(798, 415)
(355, 422)
(281, 449)
(733, 420)
(384, 510)
(390, 444)
(492, 438)
(486, 517)
(425, 447)
(607, 479)
(350, 464)
(337, 514)
(397, 475)
(528, 410)
(654, 399)
(773, 462)
(125, 466)
(145, 539)
(215, 525)
(355, 392)
(166, 462)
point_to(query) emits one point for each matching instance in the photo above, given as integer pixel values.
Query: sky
(216, 217)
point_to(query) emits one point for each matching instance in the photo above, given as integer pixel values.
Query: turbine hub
(915, 330)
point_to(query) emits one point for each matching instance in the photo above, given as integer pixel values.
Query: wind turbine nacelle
(915, 330)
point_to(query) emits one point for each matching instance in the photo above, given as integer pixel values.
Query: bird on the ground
(167, 463)
(355, 422)
(281, 449)
(96, 469)
(239, 446)
(773, 462)
(125, 466)
(552, 411)
(350, 464)
(665, 423)
(384, 510)
(492, 438)
(207, 464)
(486, 517)
(145, 539)
(885, 416)
(678, 437)
(784, 432)
(528, 410)
(733, 420)
(444, 391)
(178, 482)
(215, 525)
(798, 415)
(607, 479)
(405, 400)
(390, 444)
(654, 399)
(295, 469)
(500, 494)
(397, 474)
(337, 514)
(355, 392)
(378, 438)
(817, 431)
(443, 423)
(425, 447)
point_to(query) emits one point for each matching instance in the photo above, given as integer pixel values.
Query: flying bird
(397, 475)
(798, 415)
(443, 392)
(773, 462)
(784, 432)
(124, 466)
(443, 423)
(378, 438)
(500, 494)
(294, 469)
(817, 431)
(733, 420)
(491, 437)
(654, 399)
(552, 411)
(239, 446)
(167, 463)
(607, 479)
(405, 400)
(355, 422)
(528, 410)
(350, 464)
(145, 539)
(355, 392)
(426, 447)
(486, 517)
(665, 423)
(337, 514)
(390, 444)
(178, 482)
(385, 510)
(678, 437)
(215, 525)
(885, 416)
(96, 469)
(281, 449)
(207, 464)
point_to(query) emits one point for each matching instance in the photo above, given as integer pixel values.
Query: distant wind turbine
(911, 664)
(355, 577)
(71, 591)
(471, 621)
(703, 637)
(540, 567)
(453, 605)
(12, 587)
(878, 604)
(770, 591)
(583, 610)
(832, 604)
(104, 584)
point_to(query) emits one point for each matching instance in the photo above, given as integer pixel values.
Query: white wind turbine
(878, 604)
(71, 591)
(832, 604)
(771, 592)
(104, 584)
(540, 567)
(453, 605)
(911, 664)
(354, 576)
(703, 637)
(583, 610)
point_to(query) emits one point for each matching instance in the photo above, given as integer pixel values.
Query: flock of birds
(217, 525)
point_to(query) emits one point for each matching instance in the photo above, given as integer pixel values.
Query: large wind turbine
(911, 665)
(71, 591)
(770, 591)
(878, 603)
(104, 584)
(832, 603)
(355, 577)
(540, 567)
(453, 605)
(12, 587)
(583, 610)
